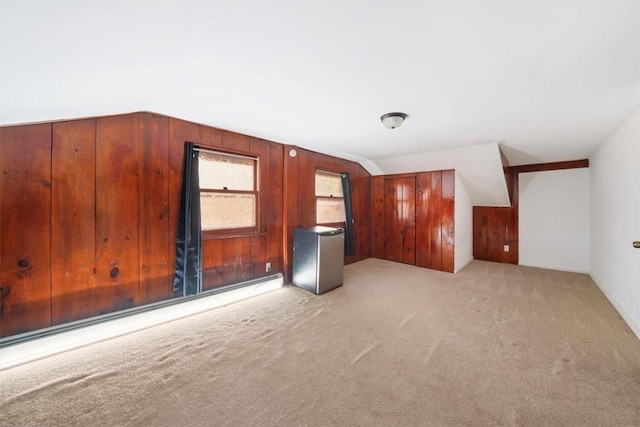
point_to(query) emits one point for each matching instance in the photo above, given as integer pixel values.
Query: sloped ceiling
(547, 81)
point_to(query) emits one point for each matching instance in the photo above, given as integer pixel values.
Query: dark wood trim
(540, 167)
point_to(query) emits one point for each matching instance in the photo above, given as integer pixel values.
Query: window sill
(206, 236)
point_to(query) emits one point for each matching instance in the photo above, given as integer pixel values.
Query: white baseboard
(628, 319)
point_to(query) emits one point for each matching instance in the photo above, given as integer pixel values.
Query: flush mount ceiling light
(393, 120)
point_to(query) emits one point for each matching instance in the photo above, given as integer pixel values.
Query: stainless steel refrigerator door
(330, 262)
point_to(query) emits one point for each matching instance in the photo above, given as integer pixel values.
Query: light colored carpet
(495, 344)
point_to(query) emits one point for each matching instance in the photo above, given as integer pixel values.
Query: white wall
(463, 217)
(615, 219)
(479, 168)
(554, 220)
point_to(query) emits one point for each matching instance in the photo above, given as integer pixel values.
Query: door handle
(636, 245)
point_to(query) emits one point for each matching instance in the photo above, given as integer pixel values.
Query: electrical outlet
(267, 267)
(506, 248)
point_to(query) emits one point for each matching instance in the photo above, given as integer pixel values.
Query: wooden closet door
(400, 220)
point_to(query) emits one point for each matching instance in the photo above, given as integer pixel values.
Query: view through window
(329, 198)
(228, 192)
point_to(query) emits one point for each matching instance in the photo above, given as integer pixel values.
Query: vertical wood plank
(435, 215)
(408, 219)
(236, 142)
(73, 221)
(236, 260)
(275, 213)
(258, 256)
(306, 193)
(361, 211)
(391, 233)
(377, 216)
(25, 224)
(212, 264)
(210, 137)
(291, 207)
(155, 276)
(480, 237)
(117, 213)
(448, 218)
(423, 229)
(492, 234)
(502, 218)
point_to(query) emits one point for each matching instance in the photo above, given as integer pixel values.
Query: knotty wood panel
(117, 200)
(25, 227)
(236, 142)
(435, 220)
(377, 216)
(423, 220)
(306, 194)
(155, 276)
(275, 210)
(258, 256)
(210, 137)
(408, 203)
(361, 194)
(236, 260)
(480, 233)
(212, 264)
(73, 221)
(392, 228)
(447, 218)
(399, 220)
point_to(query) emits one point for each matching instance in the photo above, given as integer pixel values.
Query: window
(329, 198)
(228, 192)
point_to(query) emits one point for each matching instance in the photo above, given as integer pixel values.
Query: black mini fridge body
(318, 258)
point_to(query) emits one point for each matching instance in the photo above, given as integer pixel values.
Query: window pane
(221, 211)
(328, 184)
(217, 171)
(330, 211)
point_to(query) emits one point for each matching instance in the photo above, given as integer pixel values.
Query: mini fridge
(318, 258)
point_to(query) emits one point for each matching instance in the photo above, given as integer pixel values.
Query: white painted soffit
(479, 167)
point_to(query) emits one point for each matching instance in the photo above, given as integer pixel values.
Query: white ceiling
(547, 81)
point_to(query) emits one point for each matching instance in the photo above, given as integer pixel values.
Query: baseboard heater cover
(31, 346)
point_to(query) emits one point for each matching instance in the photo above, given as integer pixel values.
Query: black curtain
(349, 241)
(188, 275)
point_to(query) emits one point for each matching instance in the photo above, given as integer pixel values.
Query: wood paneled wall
(495, 227)
(25, 228)
(90, 210)
(300, 207)
(412, 218)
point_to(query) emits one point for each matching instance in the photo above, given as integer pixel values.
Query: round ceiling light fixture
(393, 120)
